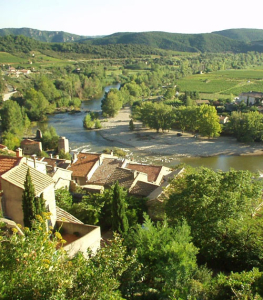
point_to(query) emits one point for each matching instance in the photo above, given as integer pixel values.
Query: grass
(224, 82)
(7, 58)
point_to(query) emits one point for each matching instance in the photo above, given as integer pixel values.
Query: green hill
(208, 42)
(242, 34)
(42, 36)
(243, 40)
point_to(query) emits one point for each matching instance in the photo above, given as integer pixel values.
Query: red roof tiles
(84, 164)
(151, 171)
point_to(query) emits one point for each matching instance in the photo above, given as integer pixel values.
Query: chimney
(19, 152)
(34, 159)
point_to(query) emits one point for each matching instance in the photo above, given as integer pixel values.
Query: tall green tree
(12, 117)
(28, 201)
(119, 206)
(112, 103)
(31, 204)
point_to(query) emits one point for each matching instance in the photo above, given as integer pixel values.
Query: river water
(70, 126)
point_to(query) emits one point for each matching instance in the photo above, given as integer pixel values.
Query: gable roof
(125, 177)
(151, 171)
(143, 188)
(84, 164)
(17, 176)
(64, 216)
(104, 171)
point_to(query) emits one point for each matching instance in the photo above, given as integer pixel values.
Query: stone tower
(63, 144)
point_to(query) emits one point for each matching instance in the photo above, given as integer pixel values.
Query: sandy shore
(168, 143)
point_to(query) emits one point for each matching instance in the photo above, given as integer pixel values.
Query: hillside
(208, 42)
(233, 40)
(243, 34)
(42, 36)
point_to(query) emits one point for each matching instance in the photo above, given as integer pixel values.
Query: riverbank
(168, 143)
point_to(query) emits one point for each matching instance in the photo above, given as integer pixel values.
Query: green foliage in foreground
(168, 260)
(221, 209)
(34, 266)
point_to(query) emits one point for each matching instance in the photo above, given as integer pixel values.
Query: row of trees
(202, 119)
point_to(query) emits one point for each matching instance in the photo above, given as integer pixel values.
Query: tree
(131, 125)
(35, 266)
(246, 127)
(209, 121)
(168, 259)
(220, 209)
(119, 218)
(111, 104)
(50, 138)
(31, 205)
(12, 118)
(36, 105)
(63, 199)
(88, 122)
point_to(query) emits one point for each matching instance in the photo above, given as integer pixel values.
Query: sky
(104, 17)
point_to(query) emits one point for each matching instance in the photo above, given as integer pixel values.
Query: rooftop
(104, 171)
(84, 164)
(29, 142)
(151, 171)
(64, 216)
(143, 189)
(17, 177)
(8, 162)
(125, 177)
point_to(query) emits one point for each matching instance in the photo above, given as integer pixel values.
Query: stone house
(12, 183)
(31, 147)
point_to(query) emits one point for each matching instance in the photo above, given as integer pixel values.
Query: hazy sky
(103, 17)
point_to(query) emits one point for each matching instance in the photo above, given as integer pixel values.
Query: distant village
(92, 172)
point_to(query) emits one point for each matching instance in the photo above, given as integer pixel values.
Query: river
(70, 126)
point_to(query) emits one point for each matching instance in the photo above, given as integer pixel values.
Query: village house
(251, 98)
(13, 170)
(94, 172)
(30, 146)
(12, 184)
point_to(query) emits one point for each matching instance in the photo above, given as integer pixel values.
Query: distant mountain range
(44, 36)
(234, 40)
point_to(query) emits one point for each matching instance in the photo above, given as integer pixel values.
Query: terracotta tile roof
(8, 162)
(143, 189)
(17, 177)
(151, 171)
(64, 216)
(104, 171)
(125, 177)
(28, 142)
(84, 164)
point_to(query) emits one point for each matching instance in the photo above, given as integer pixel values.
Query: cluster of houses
(16, 73)
(93, 172)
